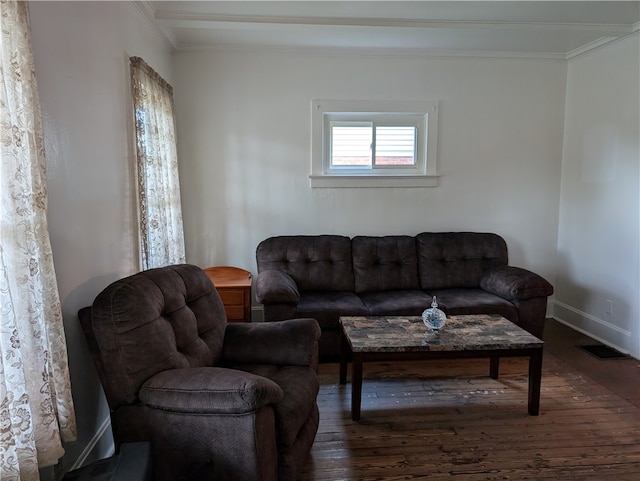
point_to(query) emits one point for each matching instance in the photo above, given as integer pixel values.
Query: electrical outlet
(609, 309)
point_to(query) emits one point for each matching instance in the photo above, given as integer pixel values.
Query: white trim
(106, 424)
(257, 313)
(601, 43)
(591, 335)
(425, 172)
(358, 181)
(593, 324)
(588, 47)
(242, 21)
(165, 20)
(419, 53)
(592, 318)
(148, 12)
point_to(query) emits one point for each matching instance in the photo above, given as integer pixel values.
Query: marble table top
(460, 333)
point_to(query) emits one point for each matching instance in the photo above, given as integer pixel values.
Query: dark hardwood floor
(620, 376)
(448, 420)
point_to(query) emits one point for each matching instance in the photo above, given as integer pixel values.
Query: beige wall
(599, 238)
(81, 55)
(244, 142)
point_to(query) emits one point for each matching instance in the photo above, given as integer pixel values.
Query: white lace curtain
(36, 407)
(160, 214)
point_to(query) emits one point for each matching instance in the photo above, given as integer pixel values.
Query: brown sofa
(328, 276)
(230, 401)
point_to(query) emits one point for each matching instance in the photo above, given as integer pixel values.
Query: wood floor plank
(450, 420)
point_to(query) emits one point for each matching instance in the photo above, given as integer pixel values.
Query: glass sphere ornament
(434, 318)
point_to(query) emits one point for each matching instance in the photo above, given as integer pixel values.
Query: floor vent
(604, 352)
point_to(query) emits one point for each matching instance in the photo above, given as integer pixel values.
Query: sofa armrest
(276, 287)
(209, 390)
(293, 342)
(515, 283)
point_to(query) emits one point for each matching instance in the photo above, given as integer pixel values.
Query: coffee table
(388, 338)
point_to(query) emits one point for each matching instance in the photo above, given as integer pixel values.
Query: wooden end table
(388, 338)
(234, 286)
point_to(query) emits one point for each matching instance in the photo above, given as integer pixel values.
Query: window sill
(358, 181)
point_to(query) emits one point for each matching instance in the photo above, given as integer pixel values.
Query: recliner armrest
(515, 283)
(286, 343)
(276, 287)
(209, 390)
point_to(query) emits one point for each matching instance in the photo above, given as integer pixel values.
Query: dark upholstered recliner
(232, 401)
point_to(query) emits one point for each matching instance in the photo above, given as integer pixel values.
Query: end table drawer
(232, 296)
(234, 313)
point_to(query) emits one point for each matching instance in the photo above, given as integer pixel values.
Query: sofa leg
(494, 366)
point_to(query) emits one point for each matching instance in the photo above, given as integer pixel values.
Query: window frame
(422, 114)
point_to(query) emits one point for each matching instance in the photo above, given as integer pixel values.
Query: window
(159, 207)
(373, 144)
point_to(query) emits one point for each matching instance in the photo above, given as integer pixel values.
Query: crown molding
(207, 20)
(601, 43)
(163, 21)
(369, 52)
(148, 12)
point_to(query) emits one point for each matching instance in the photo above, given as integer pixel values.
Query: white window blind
(366, 145)
(395, 145)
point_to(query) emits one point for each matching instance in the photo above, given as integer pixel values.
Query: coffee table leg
(535, 380)
(344, 358)
(494, 366)
(356, 385)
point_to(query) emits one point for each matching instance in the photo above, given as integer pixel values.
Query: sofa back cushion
(160, 319)
(458, 259)
(316, 263)
(385, 263)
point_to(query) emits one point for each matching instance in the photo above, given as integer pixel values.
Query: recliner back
(153, 321)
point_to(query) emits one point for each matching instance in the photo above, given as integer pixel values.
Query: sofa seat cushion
(326, 307)
(456, 302)
(300, 386)
(390, 303)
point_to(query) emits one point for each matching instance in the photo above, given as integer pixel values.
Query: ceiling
(546, 29)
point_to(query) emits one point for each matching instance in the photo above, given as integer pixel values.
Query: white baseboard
(91, 445)
(257, 314)
(594, 327)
